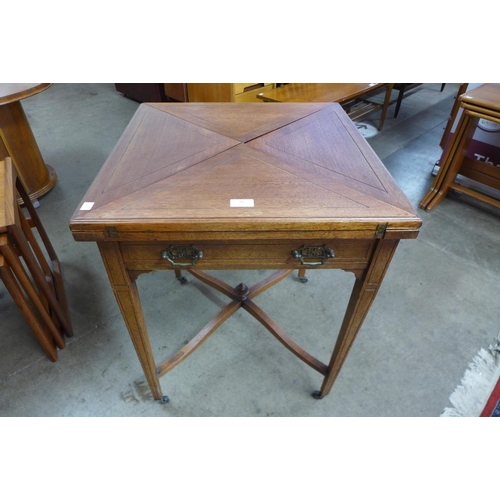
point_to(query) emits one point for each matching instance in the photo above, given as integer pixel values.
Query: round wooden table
(17, 139)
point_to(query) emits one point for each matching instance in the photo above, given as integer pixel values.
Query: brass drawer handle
(173, 253)
(321, 252)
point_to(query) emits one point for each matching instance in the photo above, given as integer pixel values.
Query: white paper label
(87, 205)
(235, 203)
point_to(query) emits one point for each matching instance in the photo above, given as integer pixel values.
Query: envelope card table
(209, 186)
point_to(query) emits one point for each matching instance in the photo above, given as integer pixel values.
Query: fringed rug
(478, 394)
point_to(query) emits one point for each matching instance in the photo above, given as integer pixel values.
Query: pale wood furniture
(280, 186)
(18, 142)
(35, 283)
(355, 98)
(482, 102)
(226, 92)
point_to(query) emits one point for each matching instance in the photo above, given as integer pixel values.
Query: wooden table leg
(446, 159)
(126, 294)
(18, 142)
(39, 278)
(12, 286)
(388, 92)
(454, 111)
(402, 87)
(39, 301)
(365, 289)
(302, 276)
(56, 271)
(455, 163)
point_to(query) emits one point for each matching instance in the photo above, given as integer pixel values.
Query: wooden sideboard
(193, 92)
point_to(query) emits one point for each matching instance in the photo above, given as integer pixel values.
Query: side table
(482, 102)
(34, 282)
(18, 142)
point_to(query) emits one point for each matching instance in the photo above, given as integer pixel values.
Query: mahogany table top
(179, 167)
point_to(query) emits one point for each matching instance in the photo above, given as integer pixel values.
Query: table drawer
(243, 255)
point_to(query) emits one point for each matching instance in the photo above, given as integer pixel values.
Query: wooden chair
(35, 283)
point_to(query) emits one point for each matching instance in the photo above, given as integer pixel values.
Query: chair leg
(400, 99)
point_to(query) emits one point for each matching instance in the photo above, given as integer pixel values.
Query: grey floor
(437, 307)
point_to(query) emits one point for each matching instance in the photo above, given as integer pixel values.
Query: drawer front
(347, 254)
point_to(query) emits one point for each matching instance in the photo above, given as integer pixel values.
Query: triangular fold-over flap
(326, 148)
(155, 146)
(244, 121)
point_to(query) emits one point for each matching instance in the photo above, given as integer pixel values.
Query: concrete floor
(437, 307)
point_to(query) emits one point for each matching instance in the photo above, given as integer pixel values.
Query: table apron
(349, 254)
